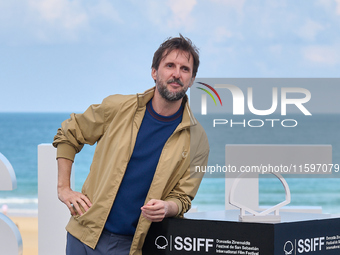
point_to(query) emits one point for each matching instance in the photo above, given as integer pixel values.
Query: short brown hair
(176, 43)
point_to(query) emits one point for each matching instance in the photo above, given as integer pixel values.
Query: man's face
(174, 75)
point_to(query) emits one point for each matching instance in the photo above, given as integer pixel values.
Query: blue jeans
(108, 244)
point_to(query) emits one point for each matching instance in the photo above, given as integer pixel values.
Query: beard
(168, 95)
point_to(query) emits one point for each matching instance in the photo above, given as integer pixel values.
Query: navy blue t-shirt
(152, 136)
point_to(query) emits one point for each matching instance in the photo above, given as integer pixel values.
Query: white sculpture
(10, 237)
(263, 216)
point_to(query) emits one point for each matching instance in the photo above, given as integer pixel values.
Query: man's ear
(192, 81)
(154, 74)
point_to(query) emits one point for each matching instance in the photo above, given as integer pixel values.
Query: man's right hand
(72, 199)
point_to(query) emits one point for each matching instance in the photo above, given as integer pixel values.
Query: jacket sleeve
(186, 188)
(80, 129)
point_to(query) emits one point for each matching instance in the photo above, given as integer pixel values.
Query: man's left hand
(156, 210)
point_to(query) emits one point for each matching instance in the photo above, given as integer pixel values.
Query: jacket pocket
(81, 208)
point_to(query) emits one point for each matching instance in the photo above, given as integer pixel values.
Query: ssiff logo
(304, 246)
(288, 248)
(184, 243)
(161, 242)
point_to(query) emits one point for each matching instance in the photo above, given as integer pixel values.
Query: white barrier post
(53, 214)
(10, 237)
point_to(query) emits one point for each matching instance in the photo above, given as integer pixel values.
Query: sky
(63, 55)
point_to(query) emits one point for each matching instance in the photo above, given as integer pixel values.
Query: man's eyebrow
(168, 62)
(172, 62)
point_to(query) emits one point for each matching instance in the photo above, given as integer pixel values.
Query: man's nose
(177, 73)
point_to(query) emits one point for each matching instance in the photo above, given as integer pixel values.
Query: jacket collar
(188, 118)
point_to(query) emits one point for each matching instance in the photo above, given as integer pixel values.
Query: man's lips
(175, 84)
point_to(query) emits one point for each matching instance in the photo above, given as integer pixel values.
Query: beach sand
(28, 227)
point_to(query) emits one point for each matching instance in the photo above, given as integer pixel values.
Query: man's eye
(169, 65)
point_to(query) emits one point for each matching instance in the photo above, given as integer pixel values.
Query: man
(146, 145)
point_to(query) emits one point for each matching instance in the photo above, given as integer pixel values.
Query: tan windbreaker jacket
(114, 125)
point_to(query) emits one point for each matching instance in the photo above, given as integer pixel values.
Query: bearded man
(140, 173)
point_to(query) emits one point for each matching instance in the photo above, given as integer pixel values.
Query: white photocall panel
(53, 214)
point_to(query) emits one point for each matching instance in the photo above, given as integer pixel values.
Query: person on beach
(140, 173)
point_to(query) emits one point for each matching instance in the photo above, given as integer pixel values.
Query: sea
(21, 133)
